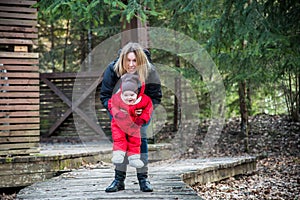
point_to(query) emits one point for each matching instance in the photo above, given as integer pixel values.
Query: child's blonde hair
(143, 65)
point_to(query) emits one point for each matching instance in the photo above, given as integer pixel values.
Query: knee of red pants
(134, 144)
(119, 139)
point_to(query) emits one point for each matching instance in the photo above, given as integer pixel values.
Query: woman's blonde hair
(143, 65)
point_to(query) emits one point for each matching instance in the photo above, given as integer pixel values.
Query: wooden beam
(18, 55)
(91, 123)
(18, 146)
(24, 88)
(8, 61)
(18, 15)
(20, 120)
(20, 133)
(19, 107)
(19, 29)
(18, 2)
(18, 9)
(57, 91)
(18, 35)
(20, 75)
(19, 139)
(19, 113)
(18, 22)
(19, 94)
(20, 81)
(87, 92)
(20, 101)
(59, 122)
(19, 127)
(16, 41)
(19, 68)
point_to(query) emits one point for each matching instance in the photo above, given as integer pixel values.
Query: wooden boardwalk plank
(91, 184)
(167, 179)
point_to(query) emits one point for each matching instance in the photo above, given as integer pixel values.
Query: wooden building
(19, 78)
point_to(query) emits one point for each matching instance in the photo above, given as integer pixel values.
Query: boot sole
(110, 191)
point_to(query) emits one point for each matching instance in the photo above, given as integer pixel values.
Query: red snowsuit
(125, 126)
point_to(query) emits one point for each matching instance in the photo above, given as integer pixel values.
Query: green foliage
(253, 41)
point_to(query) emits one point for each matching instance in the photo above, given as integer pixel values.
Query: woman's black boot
(118, 183)
(144, 183)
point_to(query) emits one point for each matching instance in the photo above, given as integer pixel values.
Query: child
(126, 124)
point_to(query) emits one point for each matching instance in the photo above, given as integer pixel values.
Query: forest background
(255, 44)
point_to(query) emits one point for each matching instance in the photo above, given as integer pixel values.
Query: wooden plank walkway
(166, 177)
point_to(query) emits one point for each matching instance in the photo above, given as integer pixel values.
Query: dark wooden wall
(19, 78)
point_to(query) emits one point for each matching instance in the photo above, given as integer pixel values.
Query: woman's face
(130, 63)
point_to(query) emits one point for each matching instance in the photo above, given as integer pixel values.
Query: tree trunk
(249, 100)
(65, 46)
(83, 48)
(298, 96)
(177, 99)
(244, 111)
(52, 46)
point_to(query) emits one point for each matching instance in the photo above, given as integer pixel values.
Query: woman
(132, 59)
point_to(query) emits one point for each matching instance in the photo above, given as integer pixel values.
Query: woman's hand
(138, 111)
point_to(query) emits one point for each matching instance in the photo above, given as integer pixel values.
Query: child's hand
(139, 121)
(138, 111)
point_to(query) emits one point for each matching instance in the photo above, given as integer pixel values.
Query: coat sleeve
(108, 84)
(153, 87)
(147, 110)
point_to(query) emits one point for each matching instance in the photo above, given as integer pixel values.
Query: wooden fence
(19, 78)
(57, 122)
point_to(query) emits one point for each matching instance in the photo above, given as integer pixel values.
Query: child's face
(129, 97)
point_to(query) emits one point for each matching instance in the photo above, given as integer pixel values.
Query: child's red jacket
(125, 124)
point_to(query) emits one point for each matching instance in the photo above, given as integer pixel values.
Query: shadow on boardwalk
(170, 180)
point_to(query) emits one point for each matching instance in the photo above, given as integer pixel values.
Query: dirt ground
(275, 141)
